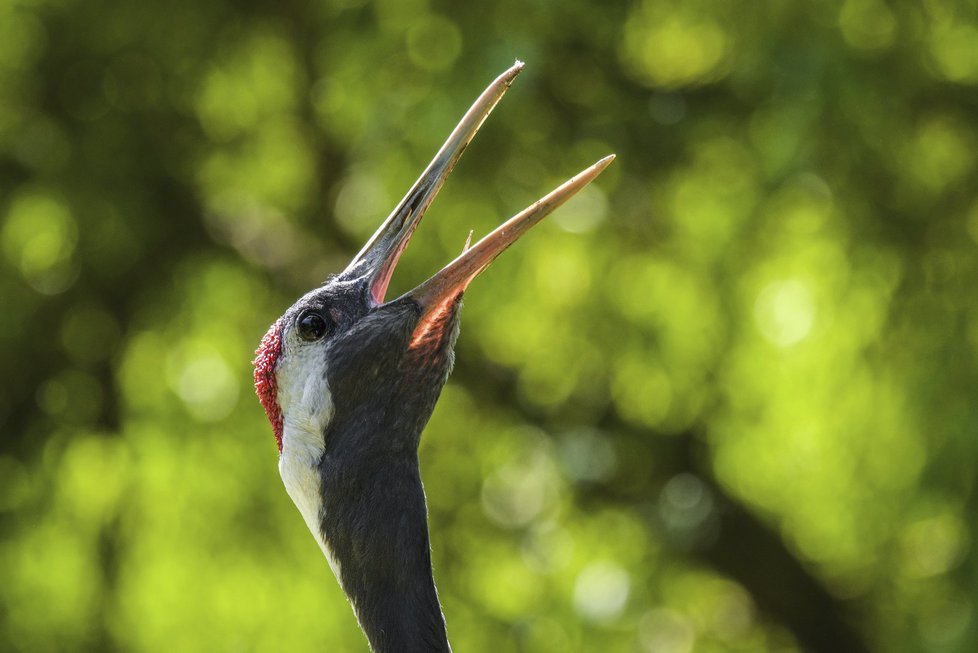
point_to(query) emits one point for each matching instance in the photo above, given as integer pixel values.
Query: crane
(348, 381)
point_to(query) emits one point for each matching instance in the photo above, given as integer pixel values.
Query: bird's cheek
(307, 405)
(318, 401)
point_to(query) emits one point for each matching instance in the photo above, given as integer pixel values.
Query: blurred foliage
(722, 401)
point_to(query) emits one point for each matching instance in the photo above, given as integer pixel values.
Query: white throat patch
(307, 407)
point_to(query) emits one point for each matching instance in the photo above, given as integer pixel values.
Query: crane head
(342, 347)
(348, 378)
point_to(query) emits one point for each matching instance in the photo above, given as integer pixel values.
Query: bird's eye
(312, 326)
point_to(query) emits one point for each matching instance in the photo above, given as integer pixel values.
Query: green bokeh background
(724, 400)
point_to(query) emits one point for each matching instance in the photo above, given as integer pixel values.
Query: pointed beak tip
(510, 74)
(599, 166)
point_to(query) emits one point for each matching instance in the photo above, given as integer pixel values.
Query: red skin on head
(266, 384)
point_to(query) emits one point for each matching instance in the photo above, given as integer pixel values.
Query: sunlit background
(724, 400)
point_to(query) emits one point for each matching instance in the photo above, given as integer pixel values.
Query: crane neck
(402, 614)
(376, 527)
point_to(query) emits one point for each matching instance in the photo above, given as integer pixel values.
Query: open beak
(377, 259)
